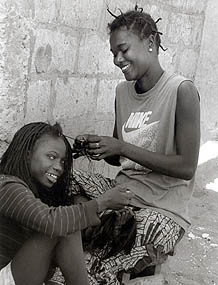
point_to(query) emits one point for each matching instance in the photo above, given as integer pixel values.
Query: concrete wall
(55, 62)
(207, 71)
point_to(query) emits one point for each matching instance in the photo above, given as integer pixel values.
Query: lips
(52, 177)
(125, 68)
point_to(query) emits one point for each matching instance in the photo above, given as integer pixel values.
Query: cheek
(40, 165)
(142, 60)
(63, 170)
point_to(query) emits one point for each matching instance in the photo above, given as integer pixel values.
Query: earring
(150, 49)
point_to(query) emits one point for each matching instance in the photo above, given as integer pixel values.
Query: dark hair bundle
(109, 238)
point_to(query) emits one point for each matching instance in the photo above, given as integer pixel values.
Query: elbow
(187, 177)
(188, 173)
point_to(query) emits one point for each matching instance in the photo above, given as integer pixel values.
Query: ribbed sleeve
(18, 203)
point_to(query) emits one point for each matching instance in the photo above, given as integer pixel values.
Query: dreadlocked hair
(105, 241)
(15, 159)
(139, 22)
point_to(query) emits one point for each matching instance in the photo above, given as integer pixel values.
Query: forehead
(48, 143)
(123, 36)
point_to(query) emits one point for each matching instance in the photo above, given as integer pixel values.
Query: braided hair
(139, 22)
(15, 159)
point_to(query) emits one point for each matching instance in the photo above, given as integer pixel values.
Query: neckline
(150, 91)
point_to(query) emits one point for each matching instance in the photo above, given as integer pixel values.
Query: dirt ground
(196, 258)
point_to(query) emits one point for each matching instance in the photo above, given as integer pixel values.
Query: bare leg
(70, 258)
(30, 265)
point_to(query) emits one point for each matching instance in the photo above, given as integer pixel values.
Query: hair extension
(105, 241)
(121, 16)
(139, 22)
(158, 21)
(113, 15)
(137, 8)
(15, 160)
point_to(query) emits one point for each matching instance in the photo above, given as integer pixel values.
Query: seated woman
(39, 226)
(156, 141)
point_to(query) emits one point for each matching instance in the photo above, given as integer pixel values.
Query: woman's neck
(148, 81)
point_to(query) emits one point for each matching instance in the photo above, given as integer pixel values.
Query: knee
(43, 240)
(72, 238)
(70, 243)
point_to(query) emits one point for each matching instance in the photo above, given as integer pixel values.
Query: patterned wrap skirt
(156, 236)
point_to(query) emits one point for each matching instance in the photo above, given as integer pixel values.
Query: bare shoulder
(188, 100)
(188, 91)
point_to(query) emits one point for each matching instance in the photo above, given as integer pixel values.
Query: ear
(149, 43)
(151, 40)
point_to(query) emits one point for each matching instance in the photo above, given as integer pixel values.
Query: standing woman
(156, 141)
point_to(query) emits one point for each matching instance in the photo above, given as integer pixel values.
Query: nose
(118, 58)
(58, 166)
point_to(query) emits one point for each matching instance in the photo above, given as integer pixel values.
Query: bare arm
(184, 163)
(115, 159)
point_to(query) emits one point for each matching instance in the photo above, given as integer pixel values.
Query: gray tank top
(148, 121)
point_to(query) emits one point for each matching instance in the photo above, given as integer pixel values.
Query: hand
(80, 146)
(114, 199)
(100, 147)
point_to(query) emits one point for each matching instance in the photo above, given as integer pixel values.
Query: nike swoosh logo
(143, 129)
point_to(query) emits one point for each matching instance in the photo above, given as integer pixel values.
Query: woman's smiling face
(130, 53)
(47, 160)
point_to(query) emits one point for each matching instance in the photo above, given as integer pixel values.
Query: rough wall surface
(56, 65)
(207, 71)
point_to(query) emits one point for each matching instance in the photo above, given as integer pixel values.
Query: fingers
(128, 195)
(122, 216)
(93, 138)
(96, 153)
(117, 198)
(95, 150)
(91, 141)
(95, 145)
(88, 145)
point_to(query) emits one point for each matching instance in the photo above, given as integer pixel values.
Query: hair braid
(139, 22)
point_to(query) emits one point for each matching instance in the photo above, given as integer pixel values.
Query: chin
(129, 78)
(47, 185)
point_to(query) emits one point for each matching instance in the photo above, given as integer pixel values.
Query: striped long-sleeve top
(21, 213)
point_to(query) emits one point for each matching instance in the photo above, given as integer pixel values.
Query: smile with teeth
(125, 68)
(52, 177)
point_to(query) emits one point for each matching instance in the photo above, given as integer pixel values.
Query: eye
(51, 156)
(125, 50)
